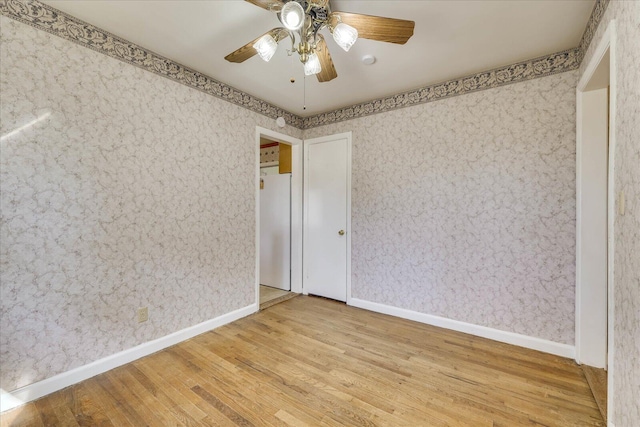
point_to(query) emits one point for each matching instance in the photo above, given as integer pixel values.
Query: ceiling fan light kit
(312, 66)
(345, 36)
(266, 46)
(292, 15)
(303, 19)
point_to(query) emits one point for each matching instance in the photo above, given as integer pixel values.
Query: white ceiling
(452, 39)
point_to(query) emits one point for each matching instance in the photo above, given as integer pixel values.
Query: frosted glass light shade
(312, 66)
(345, 35)
(292, 15)
(266, 46)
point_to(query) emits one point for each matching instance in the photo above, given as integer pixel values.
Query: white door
(327, 212)
(275, 231)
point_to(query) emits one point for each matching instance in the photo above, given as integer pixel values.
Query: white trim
(349, 158)
(296, 206)
(564, 350)
(578, 310)
(611, 218)
(592, 214)
(348, 136)
(58, 382)
(600, 51)
(607, 41)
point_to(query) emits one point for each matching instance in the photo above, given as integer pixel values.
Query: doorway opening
(278, 217)
(595, 148)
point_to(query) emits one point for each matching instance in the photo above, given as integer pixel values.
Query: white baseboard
(58, 382)
(526, 341)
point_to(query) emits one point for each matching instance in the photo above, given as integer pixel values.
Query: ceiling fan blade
(274, 5)
(328, 71)
(378, 28)
(247, 51)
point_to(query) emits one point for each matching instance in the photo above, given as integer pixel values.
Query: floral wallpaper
(465, 208)
(114, 198)
(626, 380)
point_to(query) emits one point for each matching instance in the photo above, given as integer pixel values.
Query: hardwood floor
(315, 362)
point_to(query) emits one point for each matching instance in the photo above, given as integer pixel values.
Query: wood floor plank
(597, 380)
(177, 384)
(230, 397)
(117, 394)
(88, 412)
(111, 407)
(268, 375)
(47, 413)
(180, 407)
(298, 366)
(156, 409)
(274, 393)
(314, 362)
(26, 415)
(288, 367)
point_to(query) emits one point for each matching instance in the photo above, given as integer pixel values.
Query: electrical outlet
(143, 314)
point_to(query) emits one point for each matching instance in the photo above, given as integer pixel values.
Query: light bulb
(345, 35)
(312, 66)
(266, 46)
(292, 15)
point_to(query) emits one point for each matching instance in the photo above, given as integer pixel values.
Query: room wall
(120, 189)
(465, 208)
(626, 381)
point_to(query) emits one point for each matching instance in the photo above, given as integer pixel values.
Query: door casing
(296, 207)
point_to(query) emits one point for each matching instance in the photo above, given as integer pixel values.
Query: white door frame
(348, 137)
(296, 206)
(607, 43)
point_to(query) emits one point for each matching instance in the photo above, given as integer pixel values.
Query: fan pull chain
(304, 93)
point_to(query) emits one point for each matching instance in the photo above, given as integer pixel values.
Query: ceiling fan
(303, 19)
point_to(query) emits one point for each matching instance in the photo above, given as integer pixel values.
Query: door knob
(341, 232)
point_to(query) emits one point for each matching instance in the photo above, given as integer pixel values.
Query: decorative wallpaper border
(49, 19)
(526, 70)
(592, 25)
